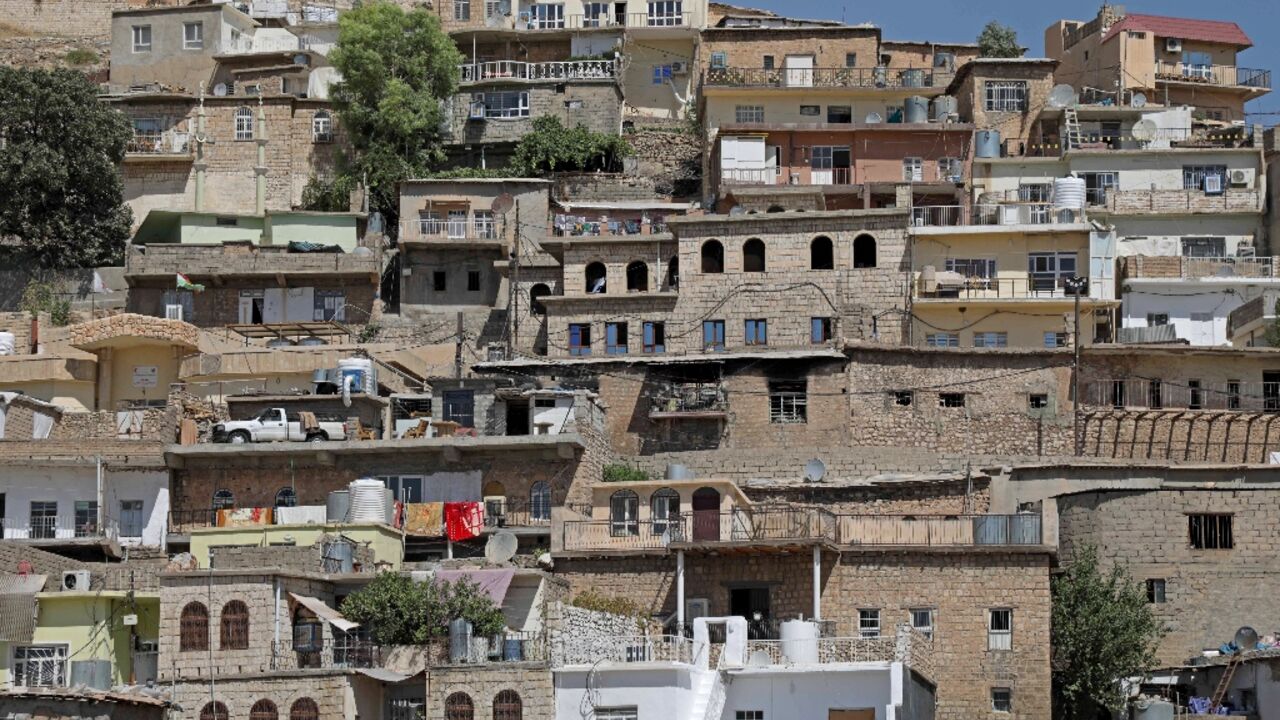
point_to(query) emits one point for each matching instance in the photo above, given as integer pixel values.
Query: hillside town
(440, 361)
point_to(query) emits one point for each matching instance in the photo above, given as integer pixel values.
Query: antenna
(1062, 96)
(501, 547)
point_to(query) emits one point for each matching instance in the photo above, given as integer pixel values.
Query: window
(869, 623)
(214, 711)
(1210, 531)
(1035, 192)
(748, 715)
(979, 269)
(903, 398)
(540, 502)
(664, 508)
(1097, 184)
(597, 278)
(322, 127)
(788, 402)
(942, 339)
(1006, 96)
(1117, 394)
(508, 104)
(1050, 271)
(458, 706)
(839, 114)
(193, 628)
(713, 335)
(673, 272)
(637, 277)
(850, 60)
(461, 9)
(1155, 590)
(131, 518)
(1198, 177)
(719, 60)
(286, 497)
(749, 114)
(192, 36)
(615, 338)
(1195, 395)
(1204, 247)
(235, 626)
(86, 518)
(822, 254)
(1000, 629)
(244, 123)
(712, 257)
(819, 330)
(223, 500)
(1002, 699)
(990, 339)
(1156, 319)
(439, 281)
(768, 62)
(1038, 401)
(913, 169)
(579, 339)
(1233, 394)
(756, 332)
(624, 513)
(39, 665)
(546, 16)
(655, 337)
(618, 713)
(483, 226)
(473, 281)
(328, 305)
(263, 710)
(1055, 339)
(864, 251)
(666, 13)
(1155, 399)
(507, 706)
(304, 709)
(661, 74)
(922, 620)
(951, 400)
(460, 407)
(810, 110)
(141, 38)
(43, 519)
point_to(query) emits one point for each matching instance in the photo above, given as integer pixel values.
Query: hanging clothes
(463, 520)
(424, 519)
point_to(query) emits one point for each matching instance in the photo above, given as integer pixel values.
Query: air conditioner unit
(173, 312)
(1212, 184)
(1239, 178)
(75, 580)
(679, 68)
(1172, 45)
(477, 111)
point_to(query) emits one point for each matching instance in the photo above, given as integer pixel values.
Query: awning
(493, 583)
(324, 612)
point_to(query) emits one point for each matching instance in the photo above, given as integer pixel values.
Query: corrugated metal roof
(1218, 31)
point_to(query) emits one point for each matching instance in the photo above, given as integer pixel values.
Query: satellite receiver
(1144, 130)
(815, 470)
(1138, 100)
(737, 210)
(874, 118)
(503, 204)
(1062, 96)
(500, 548)
(220, 90)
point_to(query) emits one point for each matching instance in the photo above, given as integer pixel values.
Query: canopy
(324, 612)
(493, 583)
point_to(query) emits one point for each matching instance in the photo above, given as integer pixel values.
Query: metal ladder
(1073, 137)
(1224, 684)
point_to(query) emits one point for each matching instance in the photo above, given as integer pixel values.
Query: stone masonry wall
(595, 104)
(329, 690)
(482, 683)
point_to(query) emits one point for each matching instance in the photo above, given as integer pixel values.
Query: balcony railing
(956, 286)
(567, 226)
(655, 19)
(330, 653)
(512, 70)
(62, 527)
(940, 530)
(993, 214)
(678, 399)
(516, 513)
(1194, 268)
(1175, 201)
(166, 142)
(591, 649)
(874, 78)
(1161, 394)
(1224, 75)
(432, 229)
(215, 260)
(247, 45)
(184, 521)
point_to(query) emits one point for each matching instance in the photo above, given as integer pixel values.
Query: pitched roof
(1218, 31)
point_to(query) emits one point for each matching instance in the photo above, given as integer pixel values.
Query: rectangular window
(661, 74)
(1002, 699)
(1117, 394)
(903, 398)
(615, 338)
(40, 665)
(1035, 192)
(505, 104)
(1055, 339)
(749, 114)
(460, 406)
(192, 36)
(461, 9)
(713, 335)
(1204, 247)
(455, 227)
(1000, 629)
(86, 518)
(473, 281)
(244, 123)
(655, 337)
(579, 339)
(1005, 96)
(618, 713)
(1155, 590)
(1209, 178)
(483, 225)
(756, 332)
(1155, 396)
(1210, 531)
(913, 169)
(950, 169)
(1195, 395)
(131, 519)
(990, 339)
(839, 113)
(810, 110)
(788, 402)
(329, 305)
(768, 62)
(748, 715)
(719, 60)
(1050, 271)
(666, 13)
(1157, 319)
(43, 519)
(922, 620)
(951, 400)
(869, 623)
(850, 60)
(1233, 394)
(546, 16)
(1037, 401)
(819, 330)
(141, 38)
(942, 339)
(439, 281)
(1097, 185)
(978, 271)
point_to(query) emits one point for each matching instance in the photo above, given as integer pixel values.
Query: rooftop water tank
(799, 641)
(361, 369)
(944, 107)
(987, 143)
(916, 109)
(389, 503)
(1152, 709)
(913, 78)
(338, 506)
(368, 501)
(459, 641)
(1068, 193)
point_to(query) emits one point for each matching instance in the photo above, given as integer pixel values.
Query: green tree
(328, 194)
(998, 41)
(1102, 631)
(397, 69)
(399, 611)
(61, 150)
(552, 147)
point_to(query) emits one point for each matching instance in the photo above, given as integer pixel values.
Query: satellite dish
(220, 90)
(1062, 96)
(503, 204)
(501, 547)
(1144, 130)
(815, 470)
(737, 210)
(1246, 639)
(874, 118)
(1138, 100)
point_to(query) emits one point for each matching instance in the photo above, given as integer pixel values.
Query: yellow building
(385, 543)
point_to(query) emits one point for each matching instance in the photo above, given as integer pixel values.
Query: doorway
(706, 515)
(799, 70)
(517, 418)
(752, 603)
(1271, 389)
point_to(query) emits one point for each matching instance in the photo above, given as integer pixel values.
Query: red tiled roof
(1184, 29)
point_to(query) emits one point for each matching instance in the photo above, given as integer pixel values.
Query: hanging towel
(240, 517)
(424, 519)
(463, 520)
(301, 515)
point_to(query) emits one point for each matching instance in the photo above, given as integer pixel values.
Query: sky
(961, 21)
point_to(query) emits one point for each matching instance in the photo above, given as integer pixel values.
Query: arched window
(673, 272)
(263, 710)
(753, 255)
(223, 500)
(712, 257)
(193, 627)
(286, 497)
(536, 293)
(244, 123)
(597, 277)
(822, 254)
(624, 513)
(864, 251)
(458, 706)
(507, 706)
(664, 506)
(214, 711)
(540, 502)
(322, 127)
(637, 277)
(304, 709)
(235, 626)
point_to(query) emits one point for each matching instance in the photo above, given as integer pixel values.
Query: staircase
(1224, 684)
(709, 696)
(1073, 138)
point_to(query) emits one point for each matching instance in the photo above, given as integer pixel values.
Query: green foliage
(40, 297)
(466, 173)
(1272, 333)
(621, 472)
(59, 171)
(998, 41)
(552, 147)
(328, 195)
(369, 333)
(397, 69)
(1102, 631)
(81, 56)
(592, 600)
(399, 611)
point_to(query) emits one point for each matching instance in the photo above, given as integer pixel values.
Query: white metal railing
(994, 214)
(1227, 75)
(455, 229)
(160, 142)
(749, 176)
(248, 44)
(61, 527)
(506, 70)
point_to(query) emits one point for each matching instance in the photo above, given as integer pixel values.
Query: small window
(615, 338)
(579, 339)
(990, 339)
(819, 330)
(1155, 590)
(597, 278)
(753, 255)
(507, 705)
(788, 402)
(756, 332)
(1005, 96)
(1195, 395)
(822, 254)
(749, 114)
(748, 715)
(1055, 339)
(458, 706)
(461, 9)
(951, 400)
(263, 710)
(913, 169)
(141, 38)
(850, 60)
(719, 60)
(286, 497)
(223, 500)
(1233, 394)
(439, 281)
(192, 36)
(322, 127)
(1157, 319)
(942, 340)
(40, 666)
(903, 398)
(304, 709)
(1155, 394)
(244, 123)
(1002, 700)
(655, 337)
(214, 711)
(1210, 531)
(624, 513)
(1038, 401)
(235, 626)
(839, 113)
(473, 281)
(1000, 629)
(193, 628)
(768, 62)
(661, 74)
(712, 257)
(810, 110)
(329, 305)
(713, 335)
(869, 623)
(226, 221)
(922, 620)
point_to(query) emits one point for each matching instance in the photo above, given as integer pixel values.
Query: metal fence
(878, 77)
(1033, 213)
(1226, 75)
(329, 653)
(555, 71)
(1182, 394)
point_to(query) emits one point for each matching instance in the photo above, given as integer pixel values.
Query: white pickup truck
(275, 425)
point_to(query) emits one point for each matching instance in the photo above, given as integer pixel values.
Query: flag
(185, 284)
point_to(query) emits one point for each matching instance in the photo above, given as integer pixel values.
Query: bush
(552, 147)
(41, 297)
(324, 195)
(81, 56)
(591, 600)
(399, 611)
(620, 472)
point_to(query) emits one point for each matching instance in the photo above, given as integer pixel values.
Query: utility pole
(1076, 284)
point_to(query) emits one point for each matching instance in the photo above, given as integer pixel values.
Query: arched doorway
(706, 514)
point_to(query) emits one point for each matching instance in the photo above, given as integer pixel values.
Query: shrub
(621, 472)
(81, 56)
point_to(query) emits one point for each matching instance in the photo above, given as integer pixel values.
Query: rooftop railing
(658, 18)
(882, 78)
(559, 71)
(431, 229)
(589, 650)
(1178, 201)
(1223, 75)
(1197, 268)
(957, 286)
(1181, 394)
(325, 654)
(60, 527)
(1028, 213)
(248, 44)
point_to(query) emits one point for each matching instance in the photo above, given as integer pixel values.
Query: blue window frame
(756, 332)
(615, 338)
(713, 335)
(579, 339)
(819, 330)
(655, 337)
(661, 74)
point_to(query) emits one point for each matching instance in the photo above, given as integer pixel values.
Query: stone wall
(596, 104)
(291, 558)
(329, 690)
(482, 683)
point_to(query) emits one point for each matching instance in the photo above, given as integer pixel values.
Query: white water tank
(6, 343)
(799, 641)
(1068, 193)
(362, 370)
(368, 501)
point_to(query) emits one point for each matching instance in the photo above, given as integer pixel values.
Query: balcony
(879, 78)
(433, 230)
(907, 645)
(949, 285)
(658, 18)
(329, 653)
(689, 401)
(52, 529)
(1179, 395)
(1012, 214)
(774, 176)
(514, 71)
(516, 513)
(572, 649)
(249, 45)
(940, 530)
(166, 144)
(1199, 268)
(1219, 75)
(1178, 201)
